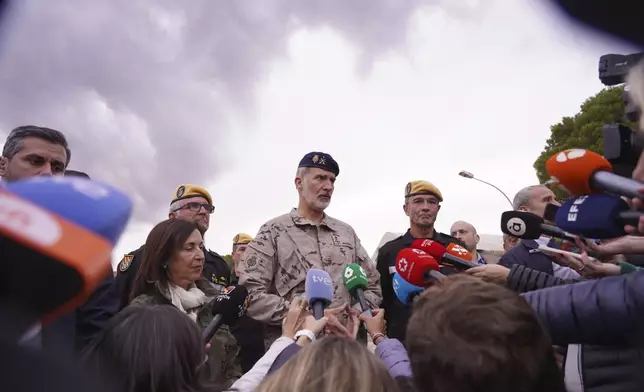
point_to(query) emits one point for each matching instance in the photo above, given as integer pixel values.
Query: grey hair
(301, 172)
(522, 198)
(13, 144)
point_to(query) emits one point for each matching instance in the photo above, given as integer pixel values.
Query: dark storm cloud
(142, 88)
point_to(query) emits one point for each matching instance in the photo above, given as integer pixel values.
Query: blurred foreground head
(149, 348)
(468, 335)
(331, 364)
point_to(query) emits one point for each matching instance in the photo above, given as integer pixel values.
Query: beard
(314, 202)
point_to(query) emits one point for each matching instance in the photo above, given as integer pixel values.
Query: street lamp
(466, 174)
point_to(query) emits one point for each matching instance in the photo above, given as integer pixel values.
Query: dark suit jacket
(526, 253)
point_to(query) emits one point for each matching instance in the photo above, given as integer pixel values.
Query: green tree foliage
(584, 130)
(229, 260)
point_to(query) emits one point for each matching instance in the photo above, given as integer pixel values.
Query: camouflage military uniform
(223, 366)
(275, 264)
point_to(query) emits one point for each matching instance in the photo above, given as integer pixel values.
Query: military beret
(422, 188)
(321, 161)
(242, 238)
(187, 191)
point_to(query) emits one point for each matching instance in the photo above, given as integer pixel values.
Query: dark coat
(396, 313)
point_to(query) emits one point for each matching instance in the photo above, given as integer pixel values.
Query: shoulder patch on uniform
(125, 263)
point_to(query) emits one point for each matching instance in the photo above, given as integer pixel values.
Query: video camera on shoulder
(622, 146)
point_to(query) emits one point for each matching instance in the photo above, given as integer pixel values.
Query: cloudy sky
(231, 94)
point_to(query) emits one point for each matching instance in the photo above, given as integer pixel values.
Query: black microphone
(528, 226)
(227, 307)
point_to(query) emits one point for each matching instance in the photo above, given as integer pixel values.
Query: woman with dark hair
(149, 348)
(171, 274)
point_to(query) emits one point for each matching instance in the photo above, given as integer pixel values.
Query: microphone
(417, 267)
(596, 216)
(356, 282)
(64, 229)
(319, 291)
(405, 291)
(528, 226)
(454, 254)
(227, 308)
(584, 172)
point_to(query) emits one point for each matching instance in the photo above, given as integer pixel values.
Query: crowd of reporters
(448, 321)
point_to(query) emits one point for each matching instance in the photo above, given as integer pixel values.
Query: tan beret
(242, 238)
(414, 188)
(186, 191)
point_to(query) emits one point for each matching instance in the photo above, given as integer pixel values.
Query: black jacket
(215, 270)
(608, 311)
(523, 279)
(396, 313)
(526, 253)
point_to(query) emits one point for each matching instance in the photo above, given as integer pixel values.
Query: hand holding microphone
(299, 319)
(319, 294)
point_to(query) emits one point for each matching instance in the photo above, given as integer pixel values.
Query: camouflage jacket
(275, 264)
(223, 366)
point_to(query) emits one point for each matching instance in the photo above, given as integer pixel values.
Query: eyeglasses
(196, 207)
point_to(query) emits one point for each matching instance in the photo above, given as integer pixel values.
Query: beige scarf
(188, 301)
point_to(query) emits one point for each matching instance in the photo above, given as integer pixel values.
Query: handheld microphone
(405, 291)
(528, 226)
(63, 229)
(584, 172)
(417, 267)
(319, 291)
(356, 282)
(454, 255)
(227, 308)
(596, 216)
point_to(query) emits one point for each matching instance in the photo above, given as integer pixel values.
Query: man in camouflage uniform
(275, 264)
(193, 203)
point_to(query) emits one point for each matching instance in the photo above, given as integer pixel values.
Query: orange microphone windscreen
(573, 169)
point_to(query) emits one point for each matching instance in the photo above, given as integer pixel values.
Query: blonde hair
(331, 364)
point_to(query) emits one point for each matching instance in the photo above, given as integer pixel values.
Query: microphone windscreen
(318, 286)
(59, 234)
(96, 206)
(432, 248)
(521, 224)
(592, 216)
(550, 212)
(458, 251)
(354, 277)
(404, 290)
(574, 168)
(231, 304)
(413, 265)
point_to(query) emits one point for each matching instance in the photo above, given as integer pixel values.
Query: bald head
(465, 232)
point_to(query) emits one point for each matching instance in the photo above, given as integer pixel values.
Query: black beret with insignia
(320, 160)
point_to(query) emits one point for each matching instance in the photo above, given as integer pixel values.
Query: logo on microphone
(516, 226)
(402, 265)
(322, 279)
(459, 249)
(570, 154)
(348, 273)
(228, 290)
(396, 285)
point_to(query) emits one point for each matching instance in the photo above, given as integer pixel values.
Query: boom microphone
(584, 172)
(60, 233)
(417, 267)
(455, 255)
(228, 307)
(319, 291)
(405, 291)
(597, 216)
(356, 282)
